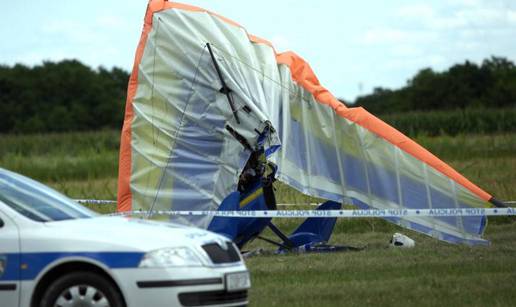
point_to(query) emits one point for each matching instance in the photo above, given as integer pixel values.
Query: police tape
(113, 202)
(442, 212)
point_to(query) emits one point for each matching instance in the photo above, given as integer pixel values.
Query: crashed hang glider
(204, 94)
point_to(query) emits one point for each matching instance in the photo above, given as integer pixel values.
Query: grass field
(431, 274)
(84, 165)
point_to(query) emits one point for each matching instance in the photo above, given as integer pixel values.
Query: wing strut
(225, 89)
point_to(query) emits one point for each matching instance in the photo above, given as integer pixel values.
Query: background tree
(62, 96)
(462, 86)
(70, 96)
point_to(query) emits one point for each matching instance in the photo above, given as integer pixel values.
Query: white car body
(33, 252)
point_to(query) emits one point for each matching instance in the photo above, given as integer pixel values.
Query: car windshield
(37, 201)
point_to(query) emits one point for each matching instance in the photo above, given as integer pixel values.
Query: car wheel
(81, 289)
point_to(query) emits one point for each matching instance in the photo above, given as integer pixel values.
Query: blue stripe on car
(34, 263)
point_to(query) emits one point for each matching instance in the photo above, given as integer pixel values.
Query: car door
(9, 261)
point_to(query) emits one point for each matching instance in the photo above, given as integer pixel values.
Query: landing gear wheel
(81, 289)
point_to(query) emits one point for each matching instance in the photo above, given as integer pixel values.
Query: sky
(353, 46)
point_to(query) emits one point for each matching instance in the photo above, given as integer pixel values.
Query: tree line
(70, 96)
(489, 85)
(61, 96)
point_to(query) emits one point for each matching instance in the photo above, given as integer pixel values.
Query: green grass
(84, 165)
(431, 274)
(62, 157)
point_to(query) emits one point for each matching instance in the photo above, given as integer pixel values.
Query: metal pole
(225, 89)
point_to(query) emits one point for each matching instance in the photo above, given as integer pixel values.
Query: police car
(55, 252)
